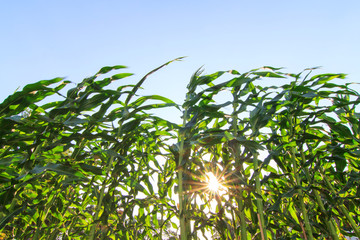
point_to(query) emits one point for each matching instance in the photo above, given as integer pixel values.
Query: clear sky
(42, 39)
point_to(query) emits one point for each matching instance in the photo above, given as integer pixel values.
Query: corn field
(100, 163)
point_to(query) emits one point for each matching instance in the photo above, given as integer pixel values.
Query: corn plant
(99, 163)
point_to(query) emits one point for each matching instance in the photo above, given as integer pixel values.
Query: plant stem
(162, 220)
(259, 201)
(301, 195)
(182, 205)
(103, 186)
(46, 212)
(239, 197)
(292, 122)
(342, 208)
(329, 223)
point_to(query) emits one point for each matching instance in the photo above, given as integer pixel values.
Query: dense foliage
(101, 163)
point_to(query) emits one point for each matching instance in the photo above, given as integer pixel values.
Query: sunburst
(214, 184)
(213, 181)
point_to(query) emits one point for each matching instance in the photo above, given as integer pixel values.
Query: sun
(214, 183)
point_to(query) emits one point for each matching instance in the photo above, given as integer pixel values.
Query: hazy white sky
(74, 39)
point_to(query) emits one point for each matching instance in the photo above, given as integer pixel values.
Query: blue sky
(74, 39)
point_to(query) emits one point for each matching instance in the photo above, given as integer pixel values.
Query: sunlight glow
(213, 183)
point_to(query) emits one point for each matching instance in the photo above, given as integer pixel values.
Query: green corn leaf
(100, 84)
(268, 74)
(341, 130)
(31, 93)
(93, 102)
(208, 78)
(59, 169)
(73, 121)
(120, 76)
(138, 85)
(41, 85)
(108, 69)
(150, 107)
(93, 169)
(5, 162)
(9, 217)
(138, 102)
(237, 82)
(309, 95)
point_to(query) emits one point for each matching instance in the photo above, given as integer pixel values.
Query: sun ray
(213, 183)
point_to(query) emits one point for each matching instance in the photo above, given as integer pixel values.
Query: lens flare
(213, 183)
